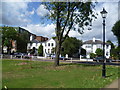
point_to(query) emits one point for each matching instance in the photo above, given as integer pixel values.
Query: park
(59, 45)
(40, 74)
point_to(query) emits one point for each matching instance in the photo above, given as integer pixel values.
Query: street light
(104, 14)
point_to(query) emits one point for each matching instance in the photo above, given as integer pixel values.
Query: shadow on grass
(110, 75)
(83, 64)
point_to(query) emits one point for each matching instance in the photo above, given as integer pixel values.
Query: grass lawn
(38, 74)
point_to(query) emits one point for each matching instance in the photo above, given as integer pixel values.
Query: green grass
(38, 74)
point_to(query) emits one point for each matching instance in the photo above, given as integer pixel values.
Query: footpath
(114, 84)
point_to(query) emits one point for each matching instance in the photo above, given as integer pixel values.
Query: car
(27, 56)
(18, 55)
(61, 58)
(100, 59)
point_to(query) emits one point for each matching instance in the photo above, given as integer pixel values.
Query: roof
(35, 41)
(96, 42)
(91, 42)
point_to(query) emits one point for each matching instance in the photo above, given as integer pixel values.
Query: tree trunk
(58, 47)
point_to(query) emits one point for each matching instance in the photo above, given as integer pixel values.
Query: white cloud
(42, 11)
(112, 17)
(15, 13)
(42, 30)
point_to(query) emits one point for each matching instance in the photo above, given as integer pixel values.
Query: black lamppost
(104, 14)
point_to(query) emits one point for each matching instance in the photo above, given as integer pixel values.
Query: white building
(91, 46)
(47, 46)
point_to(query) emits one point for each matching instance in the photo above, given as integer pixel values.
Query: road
(97, 63)
(74, 61)
(82, 62)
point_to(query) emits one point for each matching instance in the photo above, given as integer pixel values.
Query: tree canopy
(8, 35)
(69, 16)
(22, 40)
(99, 52)
(116, 31)
(40, 50)
(71, 46)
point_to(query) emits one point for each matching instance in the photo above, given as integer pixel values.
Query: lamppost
(104, 14)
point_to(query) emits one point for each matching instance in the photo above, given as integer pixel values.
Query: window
(48, 50)
(52, 44)
(48, 44)
(88, 46)
(99, 46)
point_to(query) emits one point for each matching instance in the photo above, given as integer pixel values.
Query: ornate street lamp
(104, 14)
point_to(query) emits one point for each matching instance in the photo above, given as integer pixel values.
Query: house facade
(92, 45)
(48, 45)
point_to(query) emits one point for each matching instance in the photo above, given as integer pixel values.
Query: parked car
(18, 55)
(27, 56)
(61, 58)
(100, 59)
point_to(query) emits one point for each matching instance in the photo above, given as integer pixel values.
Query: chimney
(93, 39)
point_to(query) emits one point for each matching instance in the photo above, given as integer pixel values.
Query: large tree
(116, 31)
(69, 16)
(22, 40)
(71, 46)
(9, 34)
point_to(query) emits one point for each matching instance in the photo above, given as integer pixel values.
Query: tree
(40, 50)
(116, 31)
(99, 52)
(23, 39)
(115, 53)
(69, 16)
(112, 45)
(71, 44)
(9, 34)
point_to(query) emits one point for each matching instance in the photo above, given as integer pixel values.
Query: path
(114, 84)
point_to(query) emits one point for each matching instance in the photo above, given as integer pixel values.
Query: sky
(29, 15)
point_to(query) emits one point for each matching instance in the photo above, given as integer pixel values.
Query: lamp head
(103, 13)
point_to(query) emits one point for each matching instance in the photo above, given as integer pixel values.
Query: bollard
(80, 57)
(1, 56)
(10, 56)
(71, 60)
(32, 57)
(21, 56)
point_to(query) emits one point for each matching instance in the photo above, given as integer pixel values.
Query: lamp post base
(104, 71)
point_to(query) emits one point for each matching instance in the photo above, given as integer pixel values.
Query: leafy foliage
(116, 31)
(40, 50)
(112, 45)
(99, 52)
(115, 53)
(22, 41)
(69, 16)
(8, 35)
(71, 46)
(92, 55)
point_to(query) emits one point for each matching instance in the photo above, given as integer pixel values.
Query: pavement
(114, 84)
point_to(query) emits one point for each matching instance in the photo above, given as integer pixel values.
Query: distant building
(41, 38)
(16, 46)
(48, 45)
(92, 45)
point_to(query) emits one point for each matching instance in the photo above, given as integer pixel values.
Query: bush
(92, 55)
